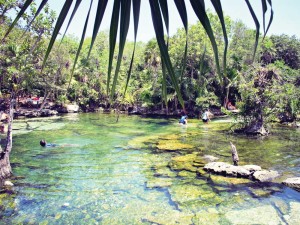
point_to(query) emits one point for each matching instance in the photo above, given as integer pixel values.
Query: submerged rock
(174, 145)
(185, 162)
(159, 183)
(258, 215)
(293, 182)
(210, 158)
(209, 216)
(294, 216)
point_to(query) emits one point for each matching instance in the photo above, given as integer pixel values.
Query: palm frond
(124, 26)
(81, 41)
(98, 19)
(136, 4)
(114, 24)
(158, 28)
(72, 16)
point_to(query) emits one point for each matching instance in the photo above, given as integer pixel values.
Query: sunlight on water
(143, 171)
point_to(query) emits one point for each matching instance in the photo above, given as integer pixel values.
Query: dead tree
(235, 157)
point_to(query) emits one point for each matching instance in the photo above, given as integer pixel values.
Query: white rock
(8, 183)
(293, 182)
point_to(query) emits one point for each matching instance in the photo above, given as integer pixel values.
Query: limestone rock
(294, 216)
(252, 168)
(159, 183)
(48, 112)
(259, 215)
(265, 175)
(8, 183)
(227, 169)
(293, 182)
(210, 158)
(72, 108)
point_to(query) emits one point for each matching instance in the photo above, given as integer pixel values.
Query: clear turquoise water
(108, 172)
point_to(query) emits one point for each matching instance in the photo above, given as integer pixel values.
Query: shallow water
(130, 172)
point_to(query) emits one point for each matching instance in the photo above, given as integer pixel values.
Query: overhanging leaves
(98, 19)
(271, 17)
(43, 3)
(257, 25)
(136, 4)
(200, 11)
(124, 26)
(71, 17)
(81, 41)
(20, 14)
(183, 15)
(61, 18)
(218, 7)
(112, 38)
(158, 27)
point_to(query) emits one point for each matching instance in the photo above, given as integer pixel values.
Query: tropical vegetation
(186, 72)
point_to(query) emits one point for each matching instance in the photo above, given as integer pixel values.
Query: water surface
(144, 171)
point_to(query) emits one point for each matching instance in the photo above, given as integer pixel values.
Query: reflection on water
(144, 171)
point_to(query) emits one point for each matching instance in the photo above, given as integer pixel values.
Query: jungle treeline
(262, 89)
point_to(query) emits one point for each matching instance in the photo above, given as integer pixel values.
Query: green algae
(167, 145)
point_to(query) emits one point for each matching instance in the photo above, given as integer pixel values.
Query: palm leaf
(98, 19)
(264, 8)
(199, 9)
(159, 32)
(164, 83)
(218, 7)
(257, 25)
(20, 14)
(81, 42)
(43, 3)
(183, 15)
(136, 4)
(201, 69)
(165, 12)
(112, 38)
(124, 26)
(271, 17)
(71, 17)
(61, 18)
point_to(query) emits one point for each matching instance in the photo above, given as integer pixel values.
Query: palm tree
(121, 15)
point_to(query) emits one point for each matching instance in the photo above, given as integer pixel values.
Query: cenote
(144, 171)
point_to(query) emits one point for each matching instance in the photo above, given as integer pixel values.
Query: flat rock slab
(257, 215)
(227, 169)
(265, 175)
(293, 182)
(248, 171)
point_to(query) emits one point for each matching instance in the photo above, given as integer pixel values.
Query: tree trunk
(5, 168)
(45, 99)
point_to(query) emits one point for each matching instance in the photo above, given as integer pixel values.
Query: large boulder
(293, 182)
